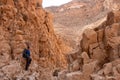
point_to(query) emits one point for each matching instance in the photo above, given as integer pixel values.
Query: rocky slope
(70, 18)
(26, 22)
(98, 57)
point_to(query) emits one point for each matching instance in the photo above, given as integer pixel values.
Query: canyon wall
(98, 57)
(22, 23)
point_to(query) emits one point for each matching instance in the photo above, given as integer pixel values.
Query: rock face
(112, 4)
(26, 22)
(99, 52)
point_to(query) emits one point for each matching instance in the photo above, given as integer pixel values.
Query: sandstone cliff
(26, 22)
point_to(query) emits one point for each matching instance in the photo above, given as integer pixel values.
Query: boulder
(110, 78)
(75, 76)
(116, 74)
(1, 75)
(19, 32)
(118, 68)
(75, 66)
(97, 77)
(33, 76)
(62, 75)
(92, 47)
(89, 37)
(116, 62)
(88, 69)
(100, 35)
(100, 55)
(100, 72)
(12, 69)
(85, 57)
(108, 69)
(73, 55)
(54, 78)
(116, 16)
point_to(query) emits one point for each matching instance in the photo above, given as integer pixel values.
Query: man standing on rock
(26, 55)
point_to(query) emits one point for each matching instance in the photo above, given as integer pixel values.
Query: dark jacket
(28, 52)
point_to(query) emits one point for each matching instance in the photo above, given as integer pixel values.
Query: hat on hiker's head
(27, 44)
(28, 47)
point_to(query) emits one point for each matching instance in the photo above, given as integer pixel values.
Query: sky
(47, 3)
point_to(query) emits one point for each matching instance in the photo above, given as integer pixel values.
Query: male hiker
(26, 55)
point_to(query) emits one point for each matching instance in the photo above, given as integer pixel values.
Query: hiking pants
(28, 62)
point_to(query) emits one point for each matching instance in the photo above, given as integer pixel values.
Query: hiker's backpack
(24, 53)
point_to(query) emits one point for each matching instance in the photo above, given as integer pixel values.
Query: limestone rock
(72, 56)
(19, 32)
(112, 4)
(110, 78)
(100, 35)
(54, 78)
(116, 62)
(92, 47)
(116, 16)
(11, 69)
(62, 75)
(108, 69)
(89, 69)
(89, 37)
(85, 57)
(74, 76)
(97, 77)
(99, 54)
(118, 68)
(75, 66)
